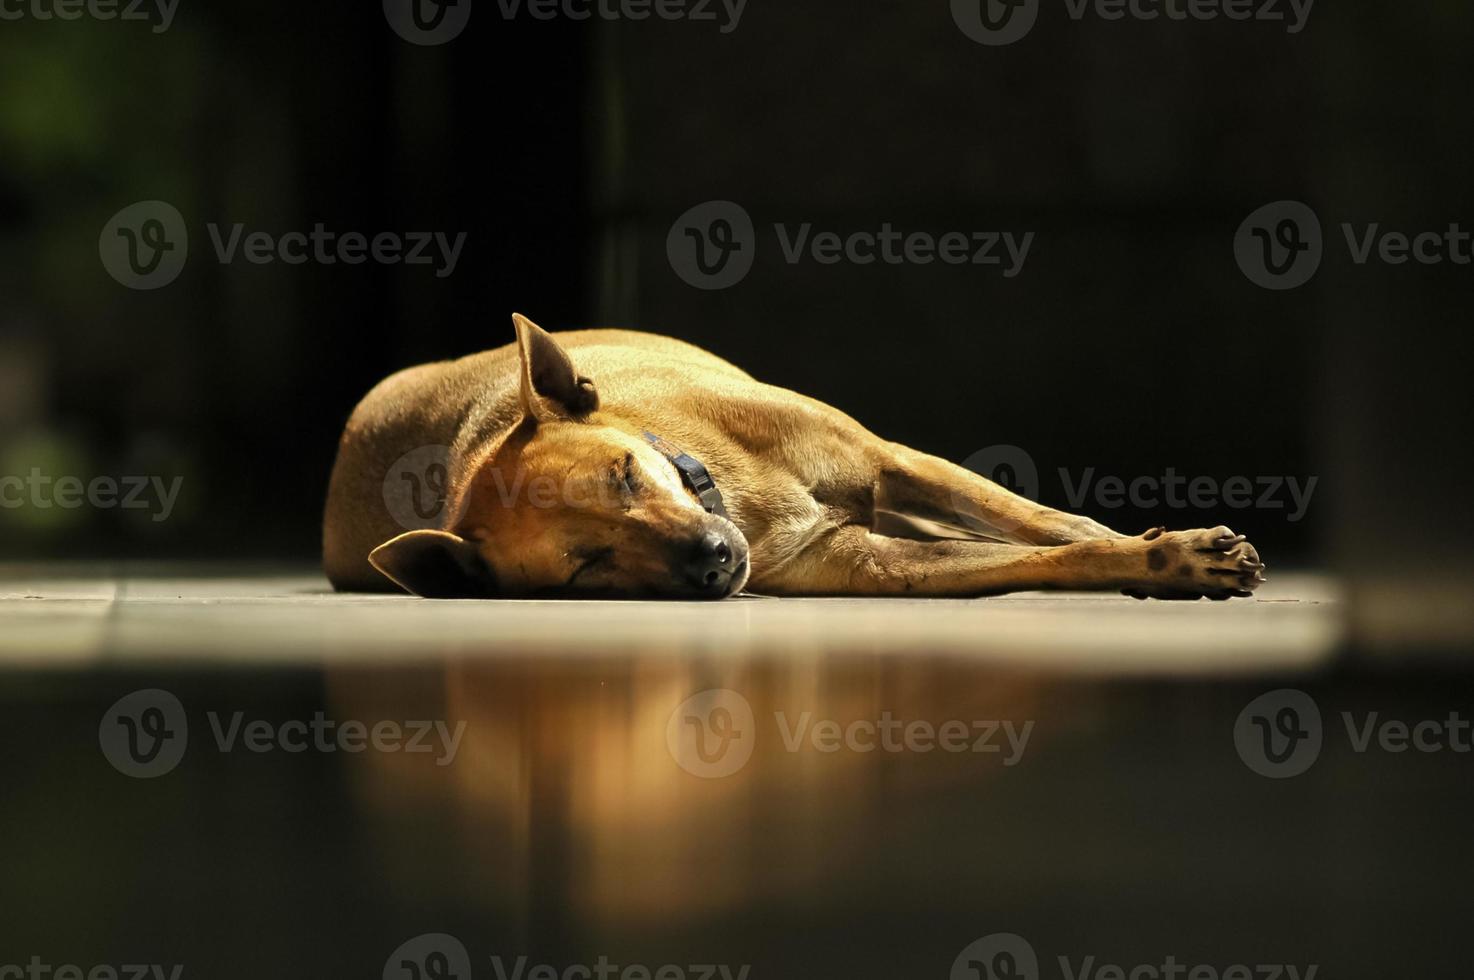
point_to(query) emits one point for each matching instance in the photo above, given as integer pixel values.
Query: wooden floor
(83, 615)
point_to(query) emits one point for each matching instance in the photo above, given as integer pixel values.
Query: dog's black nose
(710, 567)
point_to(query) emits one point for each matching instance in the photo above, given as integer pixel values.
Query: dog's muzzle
(716, 565)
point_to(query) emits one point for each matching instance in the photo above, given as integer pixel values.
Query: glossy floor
(345, 786)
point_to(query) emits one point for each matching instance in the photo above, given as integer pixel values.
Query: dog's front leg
(853, 560)
(928, 487)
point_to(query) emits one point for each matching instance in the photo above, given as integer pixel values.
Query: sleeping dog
(611, 463)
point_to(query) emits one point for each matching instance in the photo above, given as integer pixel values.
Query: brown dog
(614, 463)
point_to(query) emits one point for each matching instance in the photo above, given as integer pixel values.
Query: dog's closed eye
(588, 560)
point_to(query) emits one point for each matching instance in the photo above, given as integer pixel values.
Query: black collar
(693, 473)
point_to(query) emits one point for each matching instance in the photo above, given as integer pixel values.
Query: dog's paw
(1213, 563)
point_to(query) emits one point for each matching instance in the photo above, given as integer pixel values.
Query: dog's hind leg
(930, 489)
(853, 560)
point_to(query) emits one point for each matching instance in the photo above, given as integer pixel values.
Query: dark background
(1130, 343)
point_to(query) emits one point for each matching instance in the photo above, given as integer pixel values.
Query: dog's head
(570, 503)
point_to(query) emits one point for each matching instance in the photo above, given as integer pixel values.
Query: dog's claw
(1154, 534)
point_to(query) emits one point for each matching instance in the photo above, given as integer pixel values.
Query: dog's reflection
(664, 782)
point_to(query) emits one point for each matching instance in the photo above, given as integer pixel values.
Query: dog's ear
(551, 387)
(435, 565)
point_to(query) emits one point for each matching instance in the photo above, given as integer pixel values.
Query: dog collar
(693, 473)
